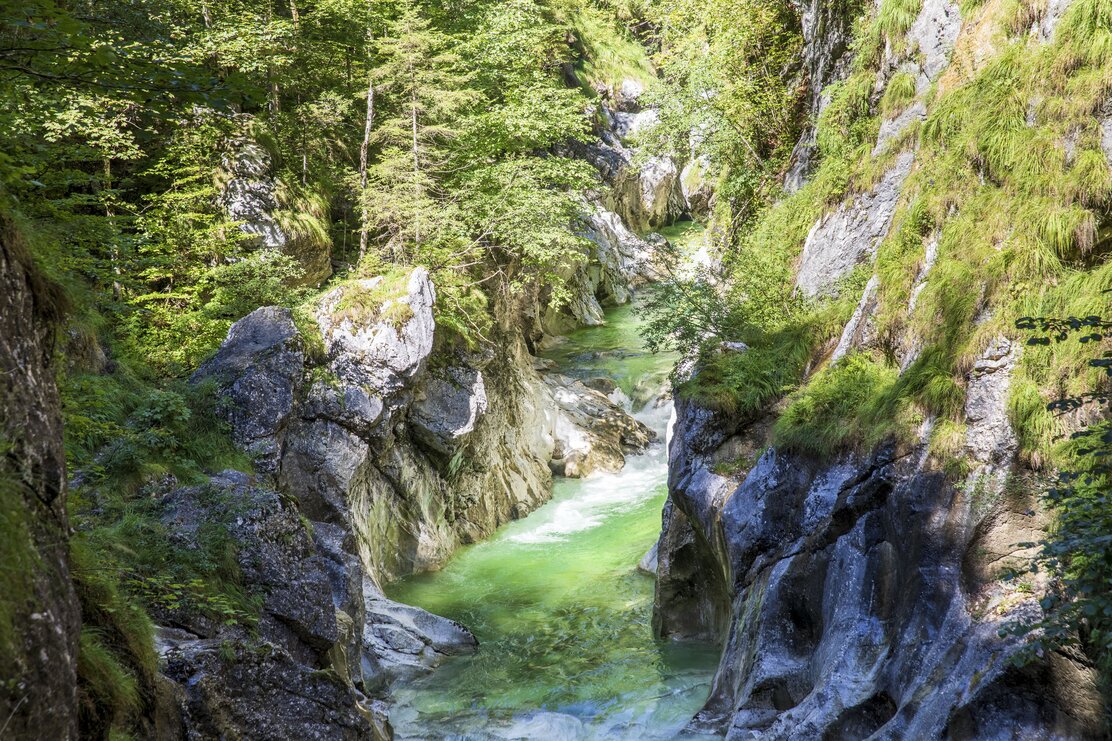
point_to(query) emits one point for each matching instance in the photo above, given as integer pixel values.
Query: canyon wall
(862, 595)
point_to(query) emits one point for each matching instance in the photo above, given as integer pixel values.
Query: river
(560, 611)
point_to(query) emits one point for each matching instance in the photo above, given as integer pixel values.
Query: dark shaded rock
(257, 371)
(451, 402)
(853, 596)
(240, 690)
(275, 553)
(38, 691)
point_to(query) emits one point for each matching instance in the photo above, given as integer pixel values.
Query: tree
(424, 92)
(1077, 553)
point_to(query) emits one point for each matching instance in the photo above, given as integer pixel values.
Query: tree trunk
(416, 174)
(368, 125)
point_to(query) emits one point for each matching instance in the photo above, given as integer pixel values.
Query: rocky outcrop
(646, 192)
(848, 237)
(376, 458)
(590, 431)
(39, 612)
(848, 595)
(826, 58)
(616, 262)
(258, 370)
(863, 595)
(250, 198)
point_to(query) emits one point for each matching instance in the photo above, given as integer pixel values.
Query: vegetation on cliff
(176, 165)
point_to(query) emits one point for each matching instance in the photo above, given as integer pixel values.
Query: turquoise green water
(561, 614)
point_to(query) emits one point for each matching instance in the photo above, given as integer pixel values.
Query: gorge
(555, 369)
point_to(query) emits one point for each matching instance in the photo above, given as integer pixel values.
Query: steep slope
(849, 544)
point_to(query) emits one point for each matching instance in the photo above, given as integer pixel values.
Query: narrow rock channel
(556, 600)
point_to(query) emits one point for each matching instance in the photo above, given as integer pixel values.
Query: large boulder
(245, 689)
(275, 554)
(408, 641)
(592, 433)
(257, 372)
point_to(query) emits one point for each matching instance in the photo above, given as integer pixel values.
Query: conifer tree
(424, 93)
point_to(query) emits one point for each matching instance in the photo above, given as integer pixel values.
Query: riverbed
(561, 613)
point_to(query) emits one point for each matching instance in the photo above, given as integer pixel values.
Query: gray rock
(891, 128)
(933, 34)
(377, 352)
(257, 371)
(276, 556)
(844, 239)
(243, 689)
(1055, 9)
(38, 691)
(826, 58)
(647, 564)
(989, 435)
(590, 431)
(321, 462)
(249, 196)
(697, 187)
(858, 330)
(841, 592)
(453, 400)
(408, 641)
(629, 125)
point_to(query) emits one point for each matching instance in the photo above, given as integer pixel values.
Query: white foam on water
(602, 494)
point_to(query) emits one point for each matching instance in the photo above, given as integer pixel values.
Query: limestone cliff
(860, 594)
(381, 445)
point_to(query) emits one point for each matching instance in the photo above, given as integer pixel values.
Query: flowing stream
(560, 611)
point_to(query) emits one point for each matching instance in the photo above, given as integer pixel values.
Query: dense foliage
(385, 134)
(1077, 555)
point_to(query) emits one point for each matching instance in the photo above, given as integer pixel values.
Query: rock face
(852, 596)
(862, 596)
(844, 239)
(374, 461)
(648, 194)
(258, 370)
(617, 261)
(826, 58)
(39, 620)
(250, 198)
